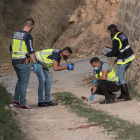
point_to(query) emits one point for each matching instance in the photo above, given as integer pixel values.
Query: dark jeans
(23, 75)
(106, 88)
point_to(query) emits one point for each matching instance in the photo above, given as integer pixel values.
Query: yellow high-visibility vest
(42, 56)
(19, 48)
(111, 76)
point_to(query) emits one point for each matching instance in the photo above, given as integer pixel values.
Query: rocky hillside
(87, 33)
(80, 24)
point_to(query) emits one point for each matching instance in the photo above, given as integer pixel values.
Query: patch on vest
(122, 37)
(18, 35)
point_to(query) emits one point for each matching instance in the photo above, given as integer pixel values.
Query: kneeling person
(105, 82)
(45, 59)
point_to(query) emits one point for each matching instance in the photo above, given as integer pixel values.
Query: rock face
(128, 21)
(87, 33)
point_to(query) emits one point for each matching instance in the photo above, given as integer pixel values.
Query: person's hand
(91, 97)
(115, 62)
(35, 67)
(104, 54)
(95, 82)
(70, 66)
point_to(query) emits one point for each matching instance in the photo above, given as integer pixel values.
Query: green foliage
(9, 129)
(124, 130)
(14, 14)
(134, 93)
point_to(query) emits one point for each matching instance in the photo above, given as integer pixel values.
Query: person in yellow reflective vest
(22, 46)
(125, 55)
(45, 59)
(105, 82)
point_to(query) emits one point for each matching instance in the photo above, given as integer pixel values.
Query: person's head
(112, 29)
(66, 52)
(96, 63)
(29, 24)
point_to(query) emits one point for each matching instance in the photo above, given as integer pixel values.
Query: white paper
(106, 50)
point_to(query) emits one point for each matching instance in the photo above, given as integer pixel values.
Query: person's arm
(56, 66)
(29, 44)
(94, 88)
(115, 49)
(33, 57)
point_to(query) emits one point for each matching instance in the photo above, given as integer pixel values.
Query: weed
(124, 130)
(9, 129)
(134, 93)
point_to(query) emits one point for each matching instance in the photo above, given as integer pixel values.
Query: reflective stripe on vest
(19, 48)
(42, 56)
(111, 76)
(126, 60)
(120, 43)
(128, 46)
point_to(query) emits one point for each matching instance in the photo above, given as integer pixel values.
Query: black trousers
(106, 88)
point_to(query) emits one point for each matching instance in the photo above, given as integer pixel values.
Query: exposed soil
(57, 122)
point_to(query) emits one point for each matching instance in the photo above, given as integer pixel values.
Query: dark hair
(94, 59)
(113, 29)
(29, 22)
(68, 49)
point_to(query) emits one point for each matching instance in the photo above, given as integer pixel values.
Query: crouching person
(105, 82)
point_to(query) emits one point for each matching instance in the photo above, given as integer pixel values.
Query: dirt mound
(87, 33)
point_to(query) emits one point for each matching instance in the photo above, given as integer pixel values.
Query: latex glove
(95, 82)
(91, 97)
(35, 67)
(70, 66)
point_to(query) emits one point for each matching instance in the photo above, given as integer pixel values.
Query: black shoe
(106, 101)
(50, 103)
(128, 98)
(42, 104)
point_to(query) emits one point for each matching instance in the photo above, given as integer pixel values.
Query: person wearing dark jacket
(122, 50)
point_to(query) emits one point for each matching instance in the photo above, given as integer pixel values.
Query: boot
(122, 96)
(126, 93)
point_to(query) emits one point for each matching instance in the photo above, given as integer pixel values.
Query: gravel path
(53, 123)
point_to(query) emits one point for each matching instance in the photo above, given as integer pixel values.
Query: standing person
(45, 59)
(105, 82)
(122, 50)
(22, 46)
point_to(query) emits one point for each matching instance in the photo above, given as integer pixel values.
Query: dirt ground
(55, 122)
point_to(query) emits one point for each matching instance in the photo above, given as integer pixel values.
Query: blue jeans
(44, 80)
(23, 75)
(121, 69)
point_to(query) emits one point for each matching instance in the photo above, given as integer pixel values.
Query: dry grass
(52, 18)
